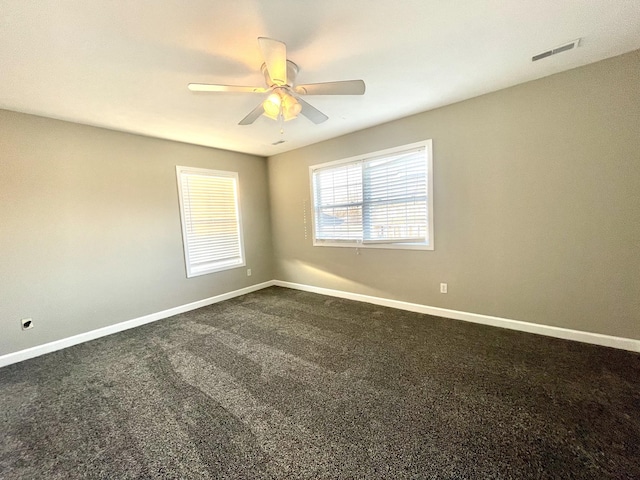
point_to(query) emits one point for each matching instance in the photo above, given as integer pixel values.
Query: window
(210, 214)
(380, 200)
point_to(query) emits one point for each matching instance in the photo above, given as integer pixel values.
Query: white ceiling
(125, 64)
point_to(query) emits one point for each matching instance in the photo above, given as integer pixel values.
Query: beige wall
(90, 227)
(537, 205)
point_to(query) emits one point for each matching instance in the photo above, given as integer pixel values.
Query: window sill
(385, 246)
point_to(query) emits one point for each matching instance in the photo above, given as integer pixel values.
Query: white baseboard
(38, 350)
(564, 333)
(557, 332)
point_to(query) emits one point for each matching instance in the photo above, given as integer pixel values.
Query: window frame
(192, 270)
(429, 245)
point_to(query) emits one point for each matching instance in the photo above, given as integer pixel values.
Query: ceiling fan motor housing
(292, 73)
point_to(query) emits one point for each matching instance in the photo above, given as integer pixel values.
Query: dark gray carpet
(287, 384)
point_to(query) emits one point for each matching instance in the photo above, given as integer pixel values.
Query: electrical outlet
(26, 323)
(248, 272)
(443, 288)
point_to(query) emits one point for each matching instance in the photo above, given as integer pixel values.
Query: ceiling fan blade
(347, 87)
(311, 112)
(274, 53)
(253, 115)
(205, 87)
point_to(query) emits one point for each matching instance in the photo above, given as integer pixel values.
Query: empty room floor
(287, 384)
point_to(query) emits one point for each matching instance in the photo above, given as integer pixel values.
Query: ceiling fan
(283, 101)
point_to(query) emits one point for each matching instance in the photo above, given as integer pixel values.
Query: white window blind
(338, 201)
(210, 214)
(382, 198)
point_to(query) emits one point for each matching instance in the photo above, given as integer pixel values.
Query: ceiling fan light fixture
(281, 104)
(290, 108)
(272, 106)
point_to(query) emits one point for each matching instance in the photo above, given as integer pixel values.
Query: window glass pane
(339, 223)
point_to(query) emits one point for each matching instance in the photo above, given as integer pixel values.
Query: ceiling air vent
(278, 142)
(553, 51)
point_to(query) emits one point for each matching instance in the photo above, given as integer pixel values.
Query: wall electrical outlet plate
(443, 288)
